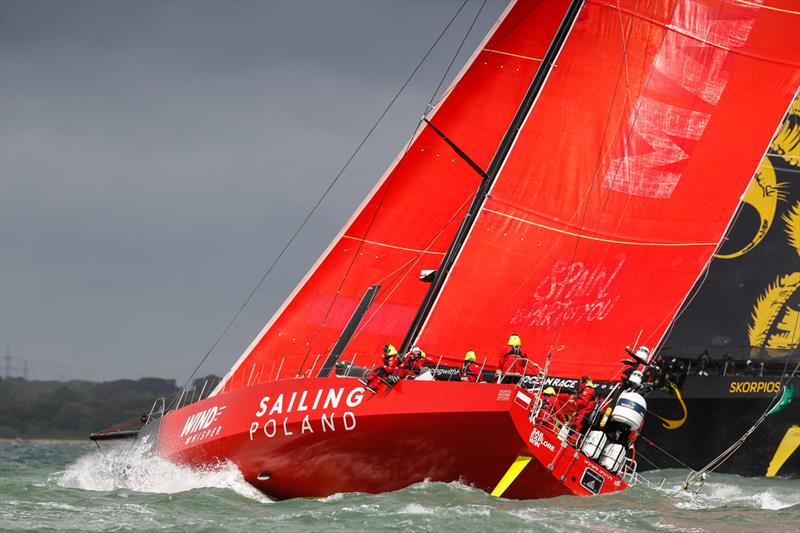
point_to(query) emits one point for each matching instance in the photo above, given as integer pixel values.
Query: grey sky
(155, 156)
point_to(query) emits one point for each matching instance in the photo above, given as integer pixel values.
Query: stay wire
(698, 476)
(321, 198)
(408, 145)
(455, 56)
(408, 265)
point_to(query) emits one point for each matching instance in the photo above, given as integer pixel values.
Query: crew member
(703, 362)
(584, 403)
(549, 399)
(389, 367)
(470, 371)
(513, 360)
(549, 403)
(412, 363)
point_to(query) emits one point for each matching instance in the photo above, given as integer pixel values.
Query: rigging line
(498, 161)
(512, 27)
(680, 309)
(321, 198)
(731, 224)
(584, 212)
(704, 41)
(458, 51)
(459, 152)
(624, 52)
(390, 180)
(728, 453)
(665, 452)
(408, 267)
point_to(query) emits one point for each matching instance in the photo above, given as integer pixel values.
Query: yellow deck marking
(514, 470)
(788, 445)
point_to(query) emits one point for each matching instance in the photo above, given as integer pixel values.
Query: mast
(495, 165)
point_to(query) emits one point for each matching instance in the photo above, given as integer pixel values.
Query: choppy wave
(131, 469)
(715, 495)
(78, 489)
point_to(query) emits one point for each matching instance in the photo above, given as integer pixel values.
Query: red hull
(319, 436)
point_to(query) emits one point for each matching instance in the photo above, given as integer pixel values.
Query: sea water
(75, 487)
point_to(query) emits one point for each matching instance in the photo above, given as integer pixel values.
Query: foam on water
(133, 470)
(716, 494)
(115, 489)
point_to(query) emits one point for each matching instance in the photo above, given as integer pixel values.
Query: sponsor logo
(202, 425)
(503, 395)
(272, 413)
(633, 406)
(745, 387)
(537, 440)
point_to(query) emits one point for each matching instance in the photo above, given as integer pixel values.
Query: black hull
(719, 410)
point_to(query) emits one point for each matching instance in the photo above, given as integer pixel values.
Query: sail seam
(686, 33)
(257, 340)
(703, 275)
(492, 174)
(513, 55)
(599, 239)
(771, 8)
(385, 245)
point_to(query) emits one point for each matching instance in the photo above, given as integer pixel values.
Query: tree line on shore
(74, 409)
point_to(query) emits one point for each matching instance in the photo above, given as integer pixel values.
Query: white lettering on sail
(661, 136)
(573, 292)
(654, 169)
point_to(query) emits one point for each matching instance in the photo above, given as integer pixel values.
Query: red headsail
(408, 221)
(622, 181)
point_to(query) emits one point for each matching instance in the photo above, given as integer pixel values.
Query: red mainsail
(408, 221)
(622, 181)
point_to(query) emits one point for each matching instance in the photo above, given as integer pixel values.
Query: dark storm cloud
(155, 156)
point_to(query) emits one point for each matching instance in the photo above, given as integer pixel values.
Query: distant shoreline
(47, 441)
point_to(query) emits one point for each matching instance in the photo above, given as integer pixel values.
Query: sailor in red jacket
(584, 403)
(470, 371)
(389, 367)
(412, 363)
(549, 406)
(513, 360)
(549, 401)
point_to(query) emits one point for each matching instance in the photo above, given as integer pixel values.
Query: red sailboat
(571, 186)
